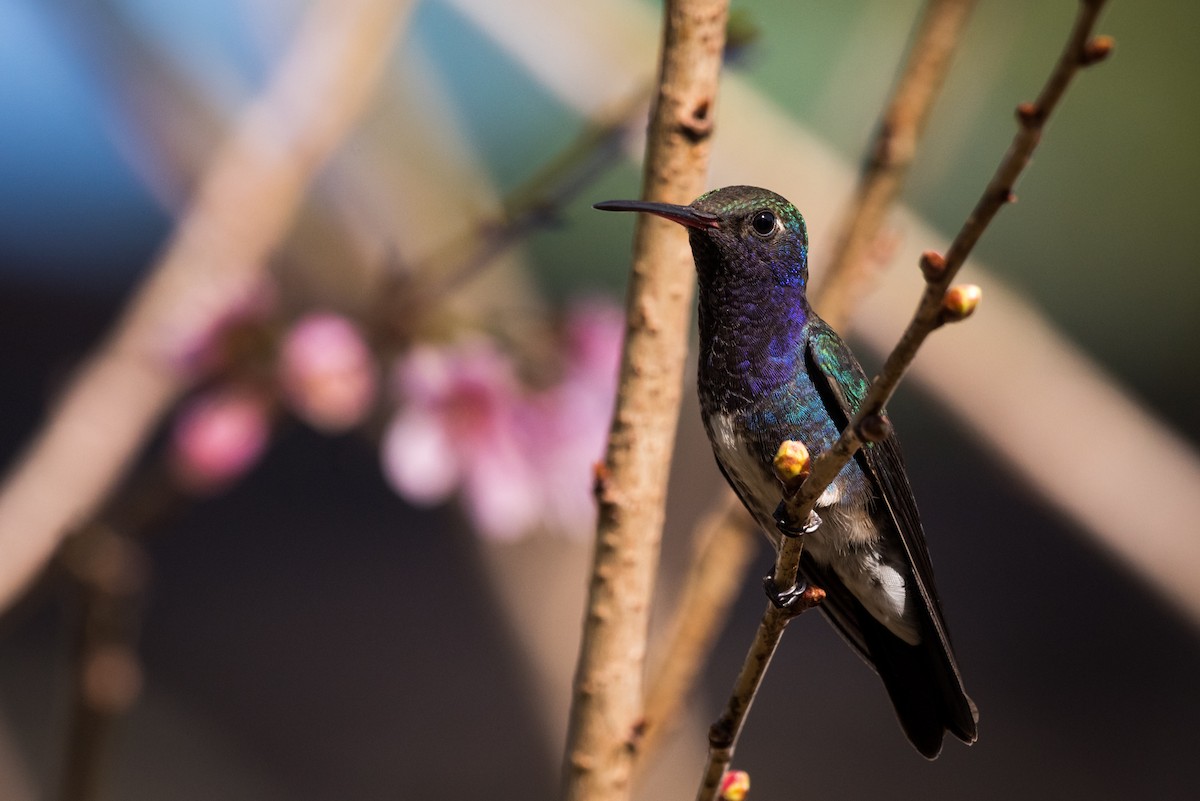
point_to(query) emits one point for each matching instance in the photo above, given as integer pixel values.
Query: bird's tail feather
(924, 687)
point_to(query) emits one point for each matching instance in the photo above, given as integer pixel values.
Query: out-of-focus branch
(167, 122)
(724, 544)
(242, 207)
(111, 570)
(535, 204)
(606, 712)
(891, 152)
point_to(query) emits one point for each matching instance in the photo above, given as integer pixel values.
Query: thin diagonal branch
(724, 544)
(606, 713)
(891, 152)
(932, 312)
(243, 206)
(533, 205)
(724, 734)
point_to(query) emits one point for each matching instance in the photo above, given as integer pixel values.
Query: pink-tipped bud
(327, 372)
(960, 302)
(792, 463)
(1028, 113)
(933, 264)
(734, 785)
(218, 437)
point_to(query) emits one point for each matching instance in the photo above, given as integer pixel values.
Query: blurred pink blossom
(521, 459)
(327, 373)
(217, 437)
(571, 419)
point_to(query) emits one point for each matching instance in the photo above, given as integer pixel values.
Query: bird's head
(738, 233)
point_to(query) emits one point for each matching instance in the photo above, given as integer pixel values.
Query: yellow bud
(1097, 49)
(792, 463)
(734, 785)
(959, 302)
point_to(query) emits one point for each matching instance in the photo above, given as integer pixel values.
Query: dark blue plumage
(771, 370)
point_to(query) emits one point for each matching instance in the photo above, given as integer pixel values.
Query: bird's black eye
(763, 223)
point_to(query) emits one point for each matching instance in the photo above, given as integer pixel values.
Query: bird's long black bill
(684, 215)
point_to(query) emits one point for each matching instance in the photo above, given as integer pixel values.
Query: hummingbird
(771, 370)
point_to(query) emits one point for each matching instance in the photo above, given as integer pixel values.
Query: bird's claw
(787, 599)
(783, 522)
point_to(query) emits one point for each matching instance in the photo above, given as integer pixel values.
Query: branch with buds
(804, 479)
(942, 303)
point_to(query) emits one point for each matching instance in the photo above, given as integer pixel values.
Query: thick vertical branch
(243, 206)
(891, 152)
(606, 712)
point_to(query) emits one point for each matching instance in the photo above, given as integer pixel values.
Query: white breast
(846, 539)
(754, 481)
